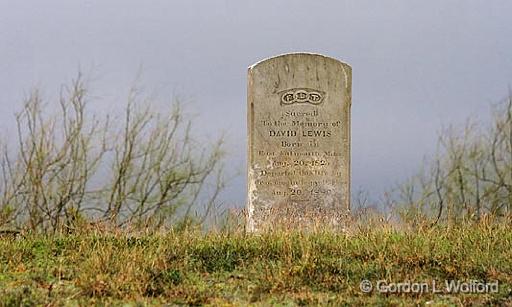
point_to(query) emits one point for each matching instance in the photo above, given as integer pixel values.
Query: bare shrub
(152, 169)
(470, 176)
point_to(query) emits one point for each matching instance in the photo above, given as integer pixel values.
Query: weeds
(190, 267)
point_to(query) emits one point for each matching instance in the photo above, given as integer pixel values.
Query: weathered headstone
(298, 108)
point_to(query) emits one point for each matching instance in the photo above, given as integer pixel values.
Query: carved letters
(301, 95)
(299, 142)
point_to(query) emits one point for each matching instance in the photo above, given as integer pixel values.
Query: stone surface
(298, 109)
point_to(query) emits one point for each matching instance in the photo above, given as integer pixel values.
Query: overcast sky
(417, 65)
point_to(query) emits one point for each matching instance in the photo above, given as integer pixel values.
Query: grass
(230, 268)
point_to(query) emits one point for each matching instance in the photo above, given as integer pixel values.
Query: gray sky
(417, 65)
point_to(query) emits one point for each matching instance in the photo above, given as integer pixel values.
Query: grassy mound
(194, 268)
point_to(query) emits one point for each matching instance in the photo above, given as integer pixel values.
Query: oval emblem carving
(301, 95)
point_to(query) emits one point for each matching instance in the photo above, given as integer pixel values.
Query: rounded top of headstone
(299, 54)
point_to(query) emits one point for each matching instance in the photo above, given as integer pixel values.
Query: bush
(470, 177)
(71, 168)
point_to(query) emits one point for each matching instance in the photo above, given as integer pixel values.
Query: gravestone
(298, 109)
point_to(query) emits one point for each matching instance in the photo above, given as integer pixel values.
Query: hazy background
(417, 65)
